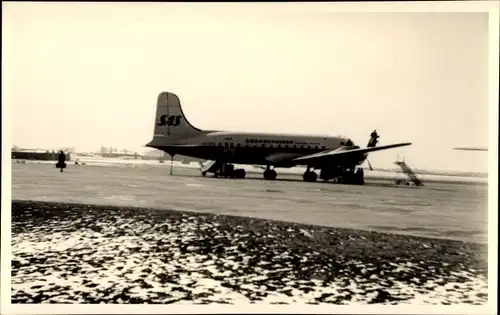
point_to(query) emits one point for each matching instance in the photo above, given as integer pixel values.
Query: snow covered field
(92, 254)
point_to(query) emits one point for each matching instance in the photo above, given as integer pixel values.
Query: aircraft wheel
(267, 174)
(203, 174)
(360, 177)
(310, 176)
(313, 177)
(240, 173)
(273, 174)
(324, 175)
(227, 171)
(270, 174)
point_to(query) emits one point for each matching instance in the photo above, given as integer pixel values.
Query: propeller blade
(369, 164)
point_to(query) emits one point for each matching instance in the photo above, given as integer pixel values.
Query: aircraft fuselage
(254, 148)
(336, 157)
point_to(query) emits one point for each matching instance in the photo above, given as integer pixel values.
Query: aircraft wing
(471, 149)
(346, 152)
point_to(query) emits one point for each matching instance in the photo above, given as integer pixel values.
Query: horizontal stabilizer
(184, 145)
(336, 153)
(159, 142)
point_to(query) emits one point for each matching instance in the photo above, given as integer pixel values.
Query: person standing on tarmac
(61, 159)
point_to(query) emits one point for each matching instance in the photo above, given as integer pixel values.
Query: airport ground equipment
(406, 169)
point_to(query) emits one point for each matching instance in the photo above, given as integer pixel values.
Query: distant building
(69, 150)
(179, 158)
(153, 153)
(39, 155)
(118, 154)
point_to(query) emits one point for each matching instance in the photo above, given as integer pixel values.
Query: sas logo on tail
(169, 120)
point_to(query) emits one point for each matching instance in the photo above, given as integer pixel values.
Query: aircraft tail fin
(170, 120)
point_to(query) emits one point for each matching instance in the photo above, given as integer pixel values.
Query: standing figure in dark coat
(373, 139)
(61, 159)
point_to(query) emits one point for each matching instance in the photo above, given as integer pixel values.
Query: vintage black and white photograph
(248, 154)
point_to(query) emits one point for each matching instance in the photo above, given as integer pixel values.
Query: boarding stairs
(212, 166)
(409, 172)
(209, 166)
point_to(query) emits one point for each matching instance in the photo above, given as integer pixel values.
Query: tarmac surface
(198, 240)
(451, 211)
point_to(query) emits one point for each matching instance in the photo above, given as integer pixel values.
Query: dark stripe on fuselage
(256, 154)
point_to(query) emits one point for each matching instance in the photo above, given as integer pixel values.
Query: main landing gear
(348, 176)
(228, 171)
(309, 176)
(270, 174)
(338, 175)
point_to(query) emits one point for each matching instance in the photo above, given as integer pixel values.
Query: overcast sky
(88, 74)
